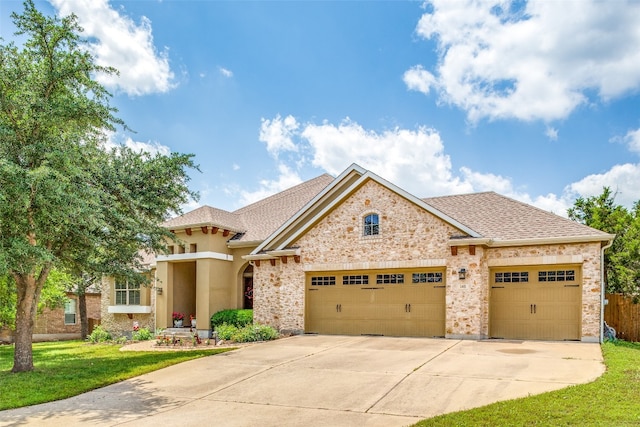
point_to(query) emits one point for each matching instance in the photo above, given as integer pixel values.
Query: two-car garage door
(385, 302)
(542, 303)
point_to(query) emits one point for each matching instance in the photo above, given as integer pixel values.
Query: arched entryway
(247, 287)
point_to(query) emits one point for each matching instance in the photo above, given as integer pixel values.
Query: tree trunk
(28, 288)
(82, 305)
(25, 316)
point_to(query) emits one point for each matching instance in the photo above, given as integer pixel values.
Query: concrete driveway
(327, 381)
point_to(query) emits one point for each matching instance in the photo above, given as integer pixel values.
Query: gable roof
(498, 217)
(258, 220)
(487, 218)
(339, 190)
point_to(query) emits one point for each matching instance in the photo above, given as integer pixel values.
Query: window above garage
(371, 225)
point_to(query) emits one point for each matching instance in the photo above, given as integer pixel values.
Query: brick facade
(51, 321)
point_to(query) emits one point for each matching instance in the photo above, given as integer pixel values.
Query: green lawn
(611, 400)
(68, 368)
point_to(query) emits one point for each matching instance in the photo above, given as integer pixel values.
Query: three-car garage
(539, 303)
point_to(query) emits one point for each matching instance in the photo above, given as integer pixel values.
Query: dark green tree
(66, 201)
(621, 262)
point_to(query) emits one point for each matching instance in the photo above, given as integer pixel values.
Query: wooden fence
(624, 316)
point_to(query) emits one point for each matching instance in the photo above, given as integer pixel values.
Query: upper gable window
(371, 225)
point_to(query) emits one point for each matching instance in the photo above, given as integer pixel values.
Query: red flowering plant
(176, 315)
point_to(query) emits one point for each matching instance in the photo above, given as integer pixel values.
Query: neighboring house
(64, 322)
(358, 255)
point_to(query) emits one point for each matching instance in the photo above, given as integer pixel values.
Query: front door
(248, 293)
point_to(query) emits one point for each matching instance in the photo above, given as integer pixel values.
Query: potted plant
(177, 319)
(193, 320)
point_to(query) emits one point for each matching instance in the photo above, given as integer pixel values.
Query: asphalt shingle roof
(257, 220)
(498, 217)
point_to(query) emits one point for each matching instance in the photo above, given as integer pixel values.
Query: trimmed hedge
(237, 318)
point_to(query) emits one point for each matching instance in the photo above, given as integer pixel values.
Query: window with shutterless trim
(371, 225)
(70, 312)
(127, 293)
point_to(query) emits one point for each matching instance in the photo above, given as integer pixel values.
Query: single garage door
(537, 303)
(385, 302)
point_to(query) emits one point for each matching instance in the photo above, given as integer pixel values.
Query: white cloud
(277, 134)
(529, 61)
(417, 78)
(287, 178)
(622, 179)
(112, 140)
(551, 133)
(121, 43)
(413, 159)
(152, 148)
(416, 161)
(632, 139)
(225, 72)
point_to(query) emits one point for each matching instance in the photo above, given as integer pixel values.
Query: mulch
(151, 345)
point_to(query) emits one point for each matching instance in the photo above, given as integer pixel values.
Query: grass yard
(68, 368)
(611, 400)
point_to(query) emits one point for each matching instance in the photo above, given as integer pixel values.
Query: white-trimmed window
(371, 225)
(70, 312)
(127, 293)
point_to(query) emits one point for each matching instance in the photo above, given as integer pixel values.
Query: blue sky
(538, 100)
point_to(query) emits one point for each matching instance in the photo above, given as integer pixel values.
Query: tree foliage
(54, 295)
(622, 259)
(65, 200)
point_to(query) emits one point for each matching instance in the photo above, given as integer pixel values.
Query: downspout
(602, 273)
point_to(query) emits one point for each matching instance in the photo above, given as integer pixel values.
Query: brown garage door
(386, 302)
(541, 303)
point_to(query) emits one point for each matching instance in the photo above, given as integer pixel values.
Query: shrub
(265, 333)
(142, 334)
(251, 333)
(226, 332)
(99, 334)
(238, 318)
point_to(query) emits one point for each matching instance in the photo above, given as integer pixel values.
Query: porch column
(203, 294)
(164, 301)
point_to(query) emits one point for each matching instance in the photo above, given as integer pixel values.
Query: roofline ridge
(280, 194)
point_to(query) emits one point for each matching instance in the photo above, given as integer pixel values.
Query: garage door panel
(401, 308)
(546, 305)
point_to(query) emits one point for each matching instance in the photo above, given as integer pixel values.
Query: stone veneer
(120, 324)
(410, 237)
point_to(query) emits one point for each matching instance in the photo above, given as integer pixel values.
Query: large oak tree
(65, 200)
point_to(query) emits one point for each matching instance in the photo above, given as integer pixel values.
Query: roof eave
(204, 224)
(238, 244)
(496, 243)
